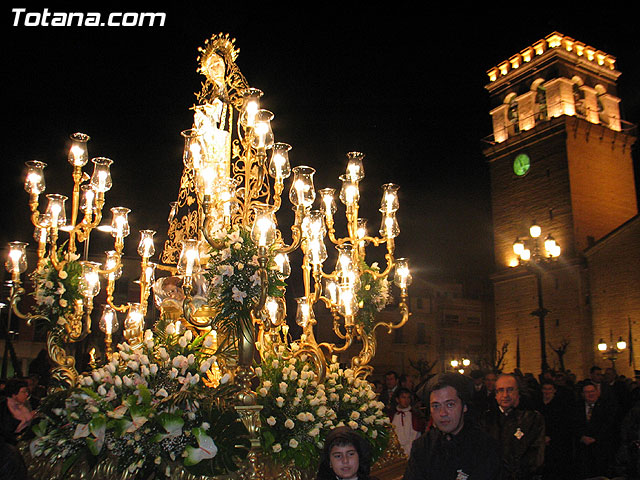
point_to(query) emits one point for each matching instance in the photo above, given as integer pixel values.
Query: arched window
(602, 115)
(512, 113)
(578, 97)
(541, 99)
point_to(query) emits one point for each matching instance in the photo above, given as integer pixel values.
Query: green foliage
(372, 296)
(55, 292)
(235, 283)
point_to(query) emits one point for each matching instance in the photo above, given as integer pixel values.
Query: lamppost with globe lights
(460, 365)
(610, 351)
(534, 258)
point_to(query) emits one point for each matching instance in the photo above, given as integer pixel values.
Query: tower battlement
(556, 42)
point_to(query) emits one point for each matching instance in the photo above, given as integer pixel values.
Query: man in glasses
(519, 431)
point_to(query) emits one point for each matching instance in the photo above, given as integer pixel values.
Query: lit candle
(191, 256)
(353, 171)
(332, 290)
(16, 261)
(300, 189)
(272, 309)
(34, 180)
(88, 199)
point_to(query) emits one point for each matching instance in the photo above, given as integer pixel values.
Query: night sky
(406, 89)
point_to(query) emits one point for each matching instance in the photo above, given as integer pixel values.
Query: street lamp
(611, 351)
(534, 258)
(460, 365)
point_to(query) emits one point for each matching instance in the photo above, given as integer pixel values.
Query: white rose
(162, 393)
(293, 443)
(277, 448)
(133, 365)
(280, 402)
(271, 421)
(288, 423)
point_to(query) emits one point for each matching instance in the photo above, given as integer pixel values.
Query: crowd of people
(512, 426)
(487, 425)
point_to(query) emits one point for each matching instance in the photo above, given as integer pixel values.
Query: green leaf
(145, 395)
(40, 428)
(69, 462)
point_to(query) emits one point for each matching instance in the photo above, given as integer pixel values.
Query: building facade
(448, 321)
(559, 157)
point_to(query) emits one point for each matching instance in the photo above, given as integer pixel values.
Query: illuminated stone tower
(560, 156)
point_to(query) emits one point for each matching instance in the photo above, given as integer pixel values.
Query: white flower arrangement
(372, 296)
(149, 410)
(293, 430)
(56, 291)
(234, 278)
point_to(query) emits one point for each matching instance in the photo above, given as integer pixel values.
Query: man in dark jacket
(595, 432)
(519, 431)
(452, 449)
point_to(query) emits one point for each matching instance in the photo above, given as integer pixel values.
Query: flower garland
(299, 411)
(55, 292)
(148, 411)
(234, 278)
(372, 296)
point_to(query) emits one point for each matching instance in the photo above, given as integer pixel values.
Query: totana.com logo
(45, 18)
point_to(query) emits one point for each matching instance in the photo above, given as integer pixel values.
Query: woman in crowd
(346, 456)
(15, 412)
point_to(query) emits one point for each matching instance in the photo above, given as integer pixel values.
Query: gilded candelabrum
(72, 323)
(234, 176)
(233, 180)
